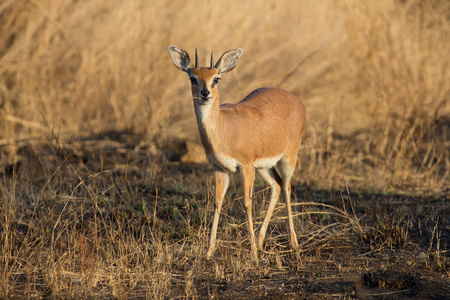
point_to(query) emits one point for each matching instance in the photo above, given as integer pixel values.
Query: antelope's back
(271, 119)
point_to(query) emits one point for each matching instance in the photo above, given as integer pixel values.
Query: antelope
(261, 133)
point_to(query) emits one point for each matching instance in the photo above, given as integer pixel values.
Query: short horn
(212, 61)
(196, 59)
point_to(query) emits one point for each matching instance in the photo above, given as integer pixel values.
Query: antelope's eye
(216, 80)
(193, 80)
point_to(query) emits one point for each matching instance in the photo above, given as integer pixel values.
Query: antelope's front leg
(222, 180)
(248, 175)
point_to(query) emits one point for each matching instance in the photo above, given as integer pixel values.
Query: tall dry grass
(374, 77)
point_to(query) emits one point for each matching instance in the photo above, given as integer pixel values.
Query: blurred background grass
(93, 116)
(373, 76)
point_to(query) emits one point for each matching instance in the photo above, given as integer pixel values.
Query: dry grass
(93, 117)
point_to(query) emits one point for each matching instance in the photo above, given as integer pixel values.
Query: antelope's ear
(228, 60)
(180, 58)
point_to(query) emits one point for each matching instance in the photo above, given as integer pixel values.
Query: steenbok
(263, 132)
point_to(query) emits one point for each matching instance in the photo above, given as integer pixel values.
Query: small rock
(421, 255)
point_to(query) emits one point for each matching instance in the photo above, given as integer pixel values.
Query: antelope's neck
(208, 116)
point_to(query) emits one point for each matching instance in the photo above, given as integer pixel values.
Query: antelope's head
(204, 80)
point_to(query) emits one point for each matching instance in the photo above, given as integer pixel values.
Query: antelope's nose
(205, 93)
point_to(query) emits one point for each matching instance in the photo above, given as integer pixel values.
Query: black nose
(205, 93)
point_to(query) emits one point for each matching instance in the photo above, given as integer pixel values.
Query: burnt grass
(397, 249)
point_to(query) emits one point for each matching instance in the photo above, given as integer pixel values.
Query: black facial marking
(193, 80)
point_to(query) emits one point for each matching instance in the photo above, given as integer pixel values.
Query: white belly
(226, 163)
(230, 164)
(266, 163)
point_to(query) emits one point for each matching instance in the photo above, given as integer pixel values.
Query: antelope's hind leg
(286, 167)
(273, 179)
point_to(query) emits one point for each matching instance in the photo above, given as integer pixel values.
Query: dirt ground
(357, 244)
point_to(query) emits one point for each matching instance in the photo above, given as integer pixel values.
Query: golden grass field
(104, 193)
